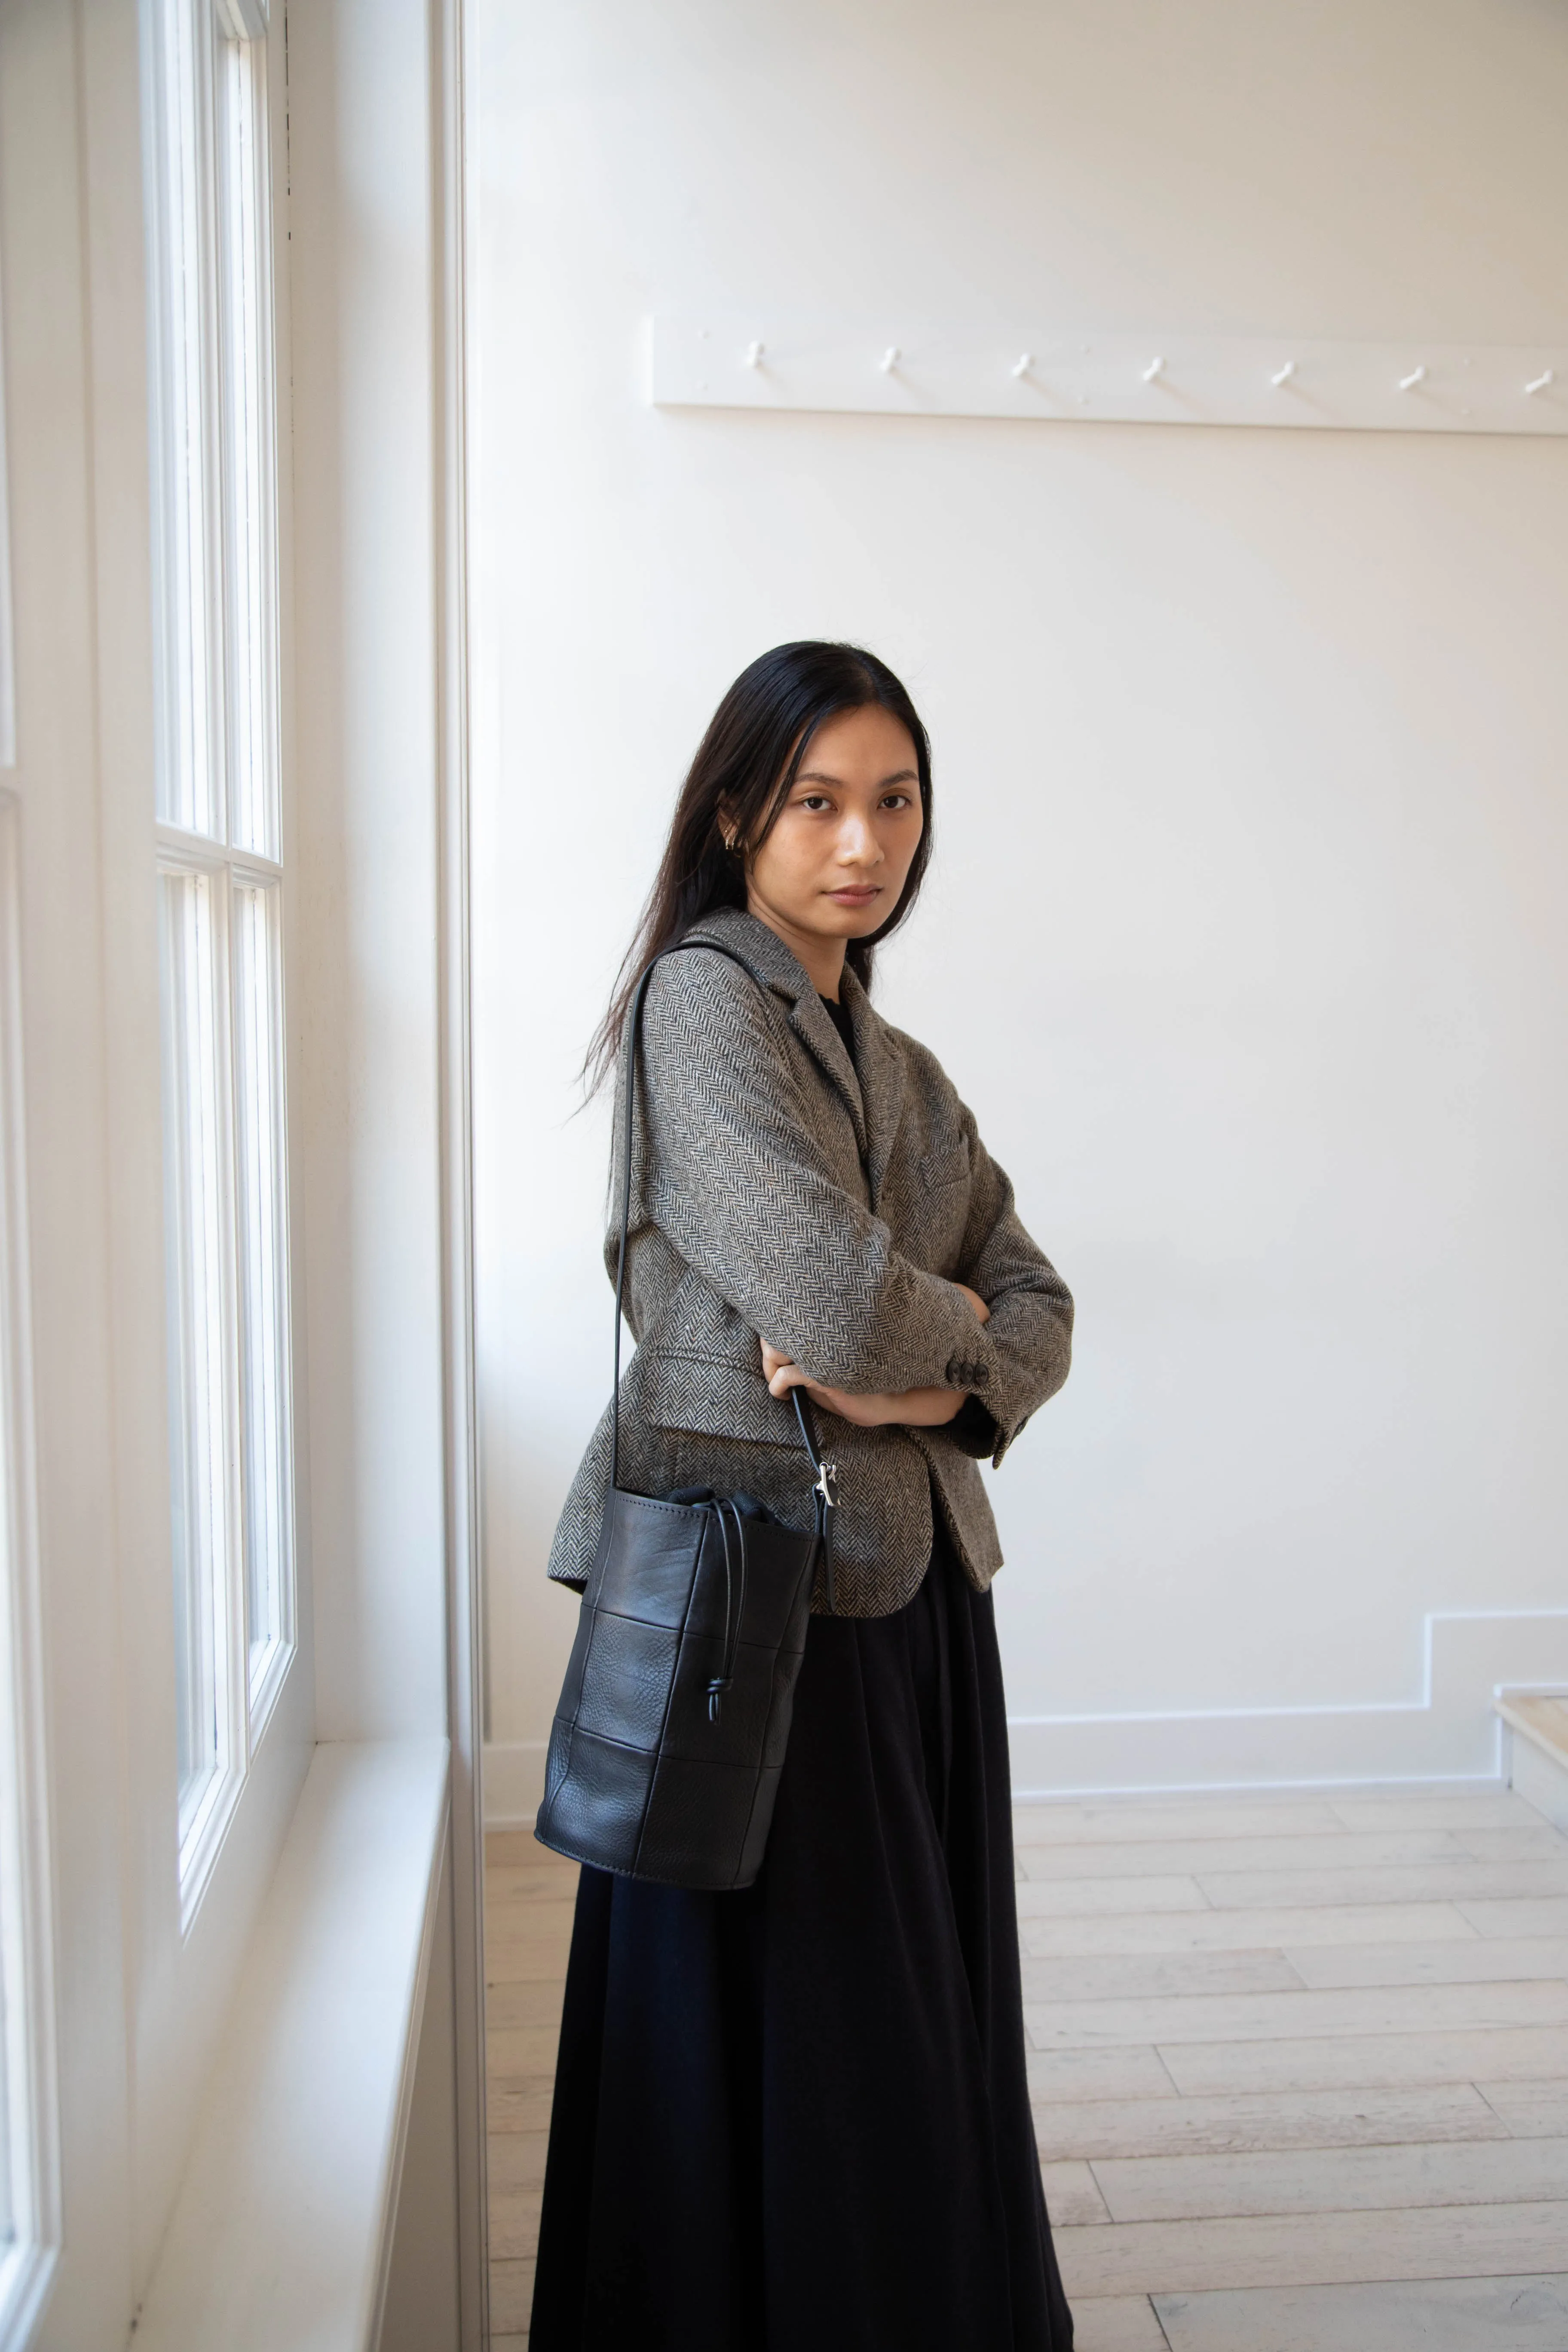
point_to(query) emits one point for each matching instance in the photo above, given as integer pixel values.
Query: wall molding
(1446, 1730)
(1083, 375)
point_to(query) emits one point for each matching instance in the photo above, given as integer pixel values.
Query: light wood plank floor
(1300, 2068)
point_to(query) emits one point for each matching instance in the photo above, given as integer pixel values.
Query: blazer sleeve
(738, 1185)
(1026, 1348)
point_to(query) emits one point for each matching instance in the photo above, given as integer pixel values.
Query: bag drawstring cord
(735, 1605)
(736, 1599)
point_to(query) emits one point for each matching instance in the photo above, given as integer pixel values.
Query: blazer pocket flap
(715, 1397)
(949, 1167)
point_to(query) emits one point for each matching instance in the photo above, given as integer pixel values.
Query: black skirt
(796, 2119)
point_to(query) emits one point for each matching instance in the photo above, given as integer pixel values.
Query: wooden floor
(1300, 2066)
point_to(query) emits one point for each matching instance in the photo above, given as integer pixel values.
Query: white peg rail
(1154, 379)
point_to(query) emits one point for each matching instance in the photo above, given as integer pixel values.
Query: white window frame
(216, 653)
(29, 2108)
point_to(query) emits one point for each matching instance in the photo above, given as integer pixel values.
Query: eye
(815, 801)
(898, 800)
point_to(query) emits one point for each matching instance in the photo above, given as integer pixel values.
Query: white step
(1538, 1764)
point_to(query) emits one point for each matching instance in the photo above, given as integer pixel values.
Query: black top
(839, 1017)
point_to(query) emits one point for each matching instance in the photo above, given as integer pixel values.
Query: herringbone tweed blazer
(775, 1192)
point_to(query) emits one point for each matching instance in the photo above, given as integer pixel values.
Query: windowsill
(281, 2228)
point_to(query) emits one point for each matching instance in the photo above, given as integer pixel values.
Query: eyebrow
(817, 776)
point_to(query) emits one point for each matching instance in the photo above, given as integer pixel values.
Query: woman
(796, 2117)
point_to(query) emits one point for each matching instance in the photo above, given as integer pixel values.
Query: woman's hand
(915, 1408)
(911, 1408)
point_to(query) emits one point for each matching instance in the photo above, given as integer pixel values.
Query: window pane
(244, 219)
(195, 1152)
(263, 1268)
(211, 267)
(187, 507)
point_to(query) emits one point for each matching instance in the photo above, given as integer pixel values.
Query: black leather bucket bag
(673, 1719)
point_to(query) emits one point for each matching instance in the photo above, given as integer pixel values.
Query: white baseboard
(1446, 1731)
(514, 1782)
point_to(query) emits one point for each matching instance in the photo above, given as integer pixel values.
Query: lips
(852, 895)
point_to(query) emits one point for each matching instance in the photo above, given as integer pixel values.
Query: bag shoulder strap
(824, 1498)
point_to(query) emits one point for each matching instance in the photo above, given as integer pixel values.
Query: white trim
(465, 1613)
(1446, 1731)
(27, 1990)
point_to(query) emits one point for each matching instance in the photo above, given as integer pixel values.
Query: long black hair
(745, 766)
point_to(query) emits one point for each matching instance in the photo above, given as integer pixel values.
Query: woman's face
(834, 865)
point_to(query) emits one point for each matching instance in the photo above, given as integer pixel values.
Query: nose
(858, 842)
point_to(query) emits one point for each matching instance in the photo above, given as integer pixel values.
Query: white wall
(1244, 937)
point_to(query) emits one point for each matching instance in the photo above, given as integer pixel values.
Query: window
(220, 890)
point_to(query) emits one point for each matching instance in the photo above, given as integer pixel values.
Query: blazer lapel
(880, 1065)
(814, 1022)
(778, 967)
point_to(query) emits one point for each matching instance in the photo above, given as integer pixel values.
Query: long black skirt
(795, 2119)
